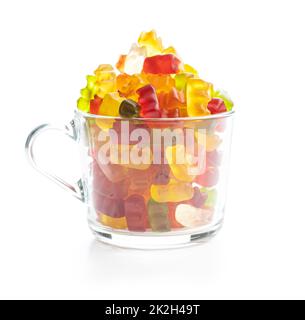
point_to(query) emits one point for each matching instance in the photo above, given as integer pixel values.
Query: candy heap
(152, 83)
(153, 197)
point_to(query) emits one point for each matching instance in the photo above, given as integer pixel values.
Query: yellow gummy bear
(111, 105)
(170, 50)
(173, 192)
(152, 43)
(210, 141)
(115, 223)
(179, 162)
(197, 97)
(105, 80)
(190, 69)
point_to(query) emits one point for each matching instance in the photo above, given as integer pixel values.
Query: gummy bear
(209, 178)
(105, 80)
(111, 105)
(148, 102)
(172, 100)
(181, 80)
(170, 50)
(162, 176)
(95, 104)
(136, 213)
(129, 109)
(105, 187)
(120, 65)
(115, 223)
(172, 215)
(191, 217)
(162, 64)
(224, 96)
(212, 196)
(198, 97)
(152, 43)
(198, 199)
(210, 141)
(190, 69)
(213, 158)
(140, 181)
(158, 216)
(135, 60)
(216, 105)
(177, 159)
(128, 85)
(111, 207)
(161, 82)
(173, 192)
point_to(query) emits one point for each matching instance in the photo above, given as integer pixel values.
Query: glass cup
(149, 183)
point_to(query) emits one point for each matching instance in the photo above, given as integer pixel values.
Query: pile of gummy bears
(152, 83)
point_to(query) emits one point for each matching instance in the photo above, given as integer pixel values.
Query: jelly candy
(170, 50)
(197, 97)
(141, 180)
(172, 100)
(162, 64)
(152, 43)
(198, 199)
(190, 69)
(172, 216)
(148, 102)
(111, 207)
(162, 176)
(127, 85)
(105, 187)
(115, 223)
(136, 213)
(129, 109)
(95, 105)
(216, 106)
(213, 158)
(120, 65)
(178, 161)
(211, 196)
(158, 216)
(104, 72)
(111, 105)
(173, 192)
(224, 96)
(191, 217)
(161, 82)
(210, 141)
(181, 80)
(209, 178)
(135, 60)
(83, 104)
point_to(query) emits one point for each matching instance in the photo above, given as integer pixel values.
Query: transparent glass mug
(149, 183)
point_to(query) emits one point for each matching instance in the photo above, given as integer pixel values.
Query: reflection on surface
(115, 268)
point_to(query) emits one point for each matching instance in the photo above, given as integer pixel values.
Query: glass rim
(209, 117)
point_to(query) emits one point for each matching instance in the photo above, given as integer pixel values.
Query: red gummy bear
(95, 104)
(148, 102)
(161, 64)
(209, 178)
(136, 213)
(216, 106)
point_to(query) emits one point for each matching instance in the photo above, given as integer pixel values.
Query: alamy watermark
(184, 146)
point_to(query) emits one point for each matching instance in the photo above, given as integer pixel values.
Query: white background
(253, 49)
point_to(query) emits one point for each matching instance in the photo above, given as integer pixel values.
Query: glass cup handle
(76, 189)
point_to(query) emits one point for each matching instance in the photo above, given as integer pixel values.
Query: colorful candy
(198, 97)
(136, 213)
(162, 64)
(158, 216)
(149, 103)
(174, 191)
(192, 217)
(152, 82)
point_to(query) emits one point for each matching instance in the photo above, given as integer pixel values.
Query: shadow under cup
(155, 183)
